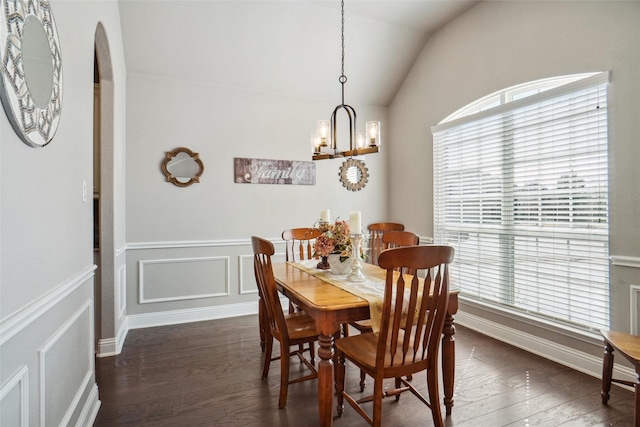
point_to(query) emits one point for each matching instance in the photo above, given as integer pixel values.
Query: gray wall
(188, 249)
(499, 44)
(46, 277)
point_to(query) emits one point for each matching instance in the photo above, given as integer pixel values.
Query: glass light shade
(361, 140)
(322, 128)
(315, 142)
(373, 133)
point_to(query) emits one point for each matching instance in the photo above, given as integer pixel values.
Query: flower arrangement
(333, 240)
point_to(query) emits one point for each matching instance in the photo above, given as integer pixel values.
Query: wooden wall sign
(265, 171)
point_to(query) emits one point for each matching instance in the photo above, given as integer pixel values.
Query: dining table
(332, 306)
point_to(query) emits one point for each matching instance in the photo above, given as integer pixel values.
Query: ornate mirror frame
(177, 180)
(35, 124)
(346, 174)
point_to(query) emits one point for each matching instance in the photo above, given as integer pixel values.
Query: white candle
(355, 222)
(325, 215)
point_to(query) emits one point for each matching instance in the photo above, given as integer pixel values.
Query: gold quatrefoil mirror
(182, 167)
(354, 174)
(30, 70)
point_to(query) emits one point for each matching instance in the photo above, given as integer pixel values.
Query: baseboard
(90, 409)
(567, 356)
(174, 317)
(106, 347)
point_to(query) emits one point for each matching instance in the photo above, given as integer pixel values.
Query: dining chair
(413, 314)
(376, 231)
(299, 241)
(298, 246)
(293, 329)
(390, 239)
(628, 346)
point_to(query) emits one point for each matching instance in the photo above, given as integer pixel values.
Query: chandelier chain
(343, 78)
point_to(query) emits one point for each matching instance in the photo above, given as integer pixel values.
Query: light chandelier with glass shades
(324, 139)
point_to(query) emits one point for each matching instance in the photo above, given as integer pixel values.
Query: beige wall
(499, 44)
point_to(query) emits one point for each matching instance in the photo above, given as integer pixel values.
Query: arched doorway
(104, 196)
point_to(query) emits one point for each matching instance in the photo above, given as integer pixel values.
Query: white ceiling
(285, 47)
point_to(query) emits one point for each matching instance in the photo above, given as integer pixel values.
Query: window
(521, 192)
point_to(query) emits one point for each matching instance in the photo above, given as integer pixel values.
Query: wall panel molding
(121, 292)
(49, 346)
(148, 264)
(245, 264)
(634, 309)
(19, 379)
(244, 261)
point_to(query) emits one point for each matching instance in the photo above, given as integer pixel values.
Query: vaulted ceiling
(284, 47)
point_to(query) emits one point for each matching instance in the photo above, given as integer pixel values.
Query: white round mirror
(30, 70)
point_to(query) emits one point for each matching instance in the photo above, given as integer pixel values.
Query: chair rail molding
(15, 322)
(625, 261)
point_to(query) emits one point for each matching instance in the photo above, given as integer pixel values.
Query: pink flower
(335, 239)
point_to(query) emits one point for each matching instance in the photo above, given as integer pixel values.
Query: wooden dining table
(331, 307)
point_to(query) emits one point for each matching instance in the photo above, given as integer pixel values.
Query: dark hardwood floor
(208, 374)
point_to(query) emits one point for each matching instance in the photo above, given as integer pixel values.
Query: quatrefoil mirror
(30, 70)
(354, 175)
(182, 167)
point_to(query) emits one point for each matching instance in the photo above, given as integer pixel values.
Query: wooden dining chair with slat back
(413, 314)
(293, 329)
(299, 243)
(376, 231)
(390, 240)
(298, 246)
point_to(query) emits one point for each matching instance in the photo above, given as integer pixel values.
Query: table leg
(325, 380)
(262, 322)
(607, 372)
(448, 361)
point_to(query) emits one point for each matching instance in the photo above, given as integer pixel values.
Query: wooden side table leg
(636, 412)
(607, 371)
(325, 380)
(448, 361)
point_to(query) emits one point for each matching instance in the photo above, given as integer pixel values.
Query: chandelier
(325, 140)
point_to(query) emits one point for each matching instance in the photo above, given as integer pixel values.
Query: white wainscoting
(15, 322)
(54, 338)
(67, 371)
(16, 390)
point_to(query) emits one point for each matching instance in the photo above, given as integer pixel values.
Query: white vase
(338, 267)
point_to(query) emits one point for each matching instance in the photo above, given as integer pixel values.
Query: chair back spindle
(299, 243)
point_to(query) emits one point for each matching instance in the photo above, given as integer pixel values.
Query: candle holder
(356, 274)
(323, 264)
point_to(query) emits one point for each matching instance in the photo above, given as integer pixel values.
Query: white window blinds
(521, 193)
